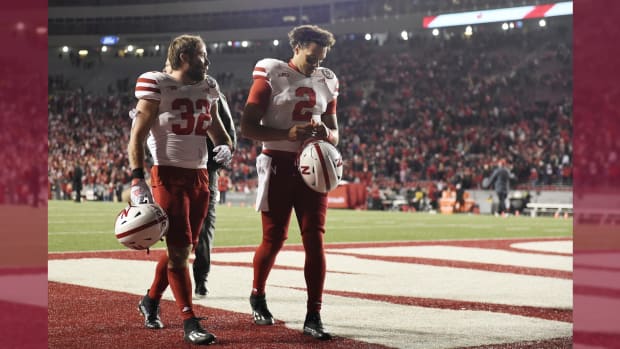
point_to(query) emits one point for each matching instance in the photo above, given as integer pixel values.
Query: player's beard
(196, 73)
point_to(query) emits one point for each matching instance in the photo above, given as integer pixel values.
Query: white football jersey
(178, 136)
(295, 97)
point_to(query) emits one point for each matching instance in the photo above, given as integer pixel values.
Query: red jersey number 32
(197, 125)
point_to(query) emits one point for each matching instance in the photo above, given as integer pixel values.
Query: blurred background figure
(500, 180)
(77, 182)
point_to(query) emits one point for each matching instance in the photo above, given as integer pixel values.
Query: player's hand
(140, 192)
(223, 155)
(319, 130)
(300, 132)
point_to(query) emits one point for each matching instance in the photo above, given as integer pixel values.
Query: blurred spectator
(76, 183)
(500, 180)
(223, 184)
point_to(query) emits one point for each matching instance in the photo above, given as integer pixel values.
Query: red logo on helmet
(125, 212)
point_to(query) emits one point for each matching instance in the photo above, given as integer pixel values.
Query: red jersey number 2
(197, 126)
(298, 113)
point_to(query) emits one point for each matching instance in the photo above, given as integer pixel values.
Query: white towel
(263, 167)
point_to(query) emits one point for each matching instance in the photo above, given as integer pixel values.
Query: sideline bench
(537, 207)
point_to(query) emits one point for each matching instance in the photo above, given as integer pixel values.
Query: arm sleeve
(260, 93)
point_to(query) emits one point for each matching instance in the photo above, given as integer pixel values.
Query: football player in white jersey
(202, 253)
(175, 113)
(289, 103)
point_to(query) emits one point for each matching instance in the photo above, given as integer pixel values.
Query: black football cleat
(260, 312)
(313, 326)
(201, 291)
(150, 309)
(194, 333)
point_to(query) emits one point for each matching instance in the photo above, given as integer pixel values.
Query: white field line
(545, 246)
(470, 254)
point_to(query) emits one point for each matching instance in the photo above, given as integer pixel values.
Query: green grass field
(90, 226)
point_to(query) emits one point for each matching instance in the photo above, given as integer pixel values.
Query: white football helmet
(141, 226)
(320, 166)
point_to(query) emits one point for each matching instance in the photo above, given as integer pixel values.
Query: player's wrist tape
(137, 173)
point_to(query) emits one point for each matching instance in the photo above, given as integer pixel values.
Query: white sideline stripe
(415, 280)
(24, 289)
(470, 254)
(598, 259)
(546, 246)
(370, 321)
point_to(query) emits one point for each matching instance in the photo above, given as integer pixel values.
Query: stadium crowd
(428, 110)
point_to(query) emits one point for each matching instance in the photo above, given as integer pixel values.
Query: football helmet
(320, 166)
(140, 226)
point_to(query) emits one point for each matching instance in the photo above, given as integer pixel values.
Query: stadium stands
(429, 111)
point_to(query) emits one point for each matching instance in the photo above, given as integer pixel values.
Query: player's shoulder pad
(148, 85)
(156, 76)
(330, 80)
(327, 73)
(212, 87)
(268, 66)
(211, 82)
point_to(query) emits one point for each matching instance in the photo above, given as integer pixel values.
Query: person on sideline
(288, 103)
(177, 111)
(76, 182)
(500, 179)
(223, 185)
(202, 262)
